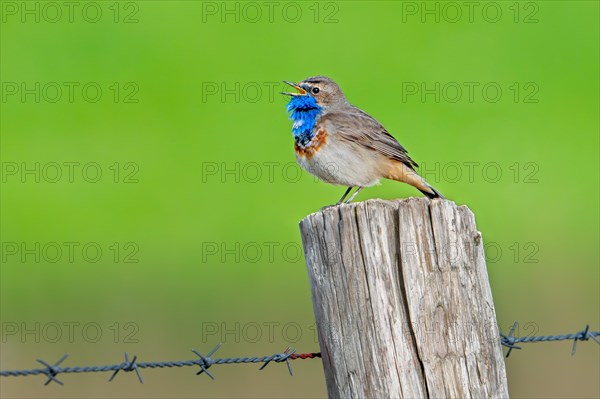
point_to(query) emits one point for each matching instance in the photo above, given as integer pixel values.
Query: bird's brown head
(324, 90)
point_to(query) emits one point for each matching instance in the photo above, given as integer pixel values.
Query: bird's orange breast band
(314, 146)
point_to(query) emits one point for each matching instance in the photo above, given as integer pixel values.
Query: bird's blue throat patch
(304, 112)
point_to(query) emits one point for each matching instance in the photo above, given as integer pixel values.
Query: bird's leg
(345, 195)
(341, 201)
(353, 195)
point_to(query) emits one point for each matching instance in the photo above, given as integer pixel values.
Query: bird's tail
(400, 172)
(431, 193)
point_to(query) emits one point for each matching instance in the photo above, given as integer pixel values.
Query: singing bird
(343, 145)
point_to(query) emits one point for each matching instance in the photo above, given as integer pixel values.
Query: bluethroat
(343, 145)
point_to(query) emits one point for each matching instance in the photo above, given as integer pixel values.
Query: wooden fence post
(402, 301)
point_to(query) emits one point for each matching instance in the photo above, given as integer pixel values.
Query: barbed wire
(51, 371)
(510, 340)
(204, 362)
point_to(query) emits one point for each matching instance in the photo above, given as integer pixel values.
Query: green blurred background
(207, 199)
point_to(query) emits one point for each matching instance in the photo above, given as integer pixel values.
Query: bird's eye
(315, 90)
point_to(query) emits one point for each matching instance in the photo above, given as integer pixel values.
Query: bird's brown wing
(357, 126)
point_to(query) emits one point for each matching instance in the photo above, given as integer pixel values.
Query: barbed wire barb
(53, 370)
(280, 357)
(128, 366)
(206, 361)
(509, 340)
(585, 335)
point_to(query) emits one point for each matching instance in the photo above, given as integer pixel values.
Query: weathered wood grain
(402, 301)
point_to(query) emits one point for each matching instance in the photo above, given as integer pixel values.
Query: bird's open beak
(300, 92)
